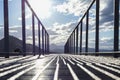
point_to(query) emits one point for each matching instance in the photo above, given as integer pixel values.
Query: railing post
(6, 29)
(87, 25)
(33, 33)
(77, 40)
(97, 27)
(39, 41)
(81, 37)
(48, 43)
(72, 44)
(116, 27)
(23, 28)
(43, 40)
(74, 41)
(68, 46)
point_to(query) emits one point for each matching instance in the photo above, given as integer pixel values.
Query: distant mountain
(93, 50)
(56, 49)
(60, 49)
(14, 44)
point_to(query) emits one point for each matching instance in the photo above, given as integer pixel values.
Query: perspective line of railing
(43, 45)
(71, 45)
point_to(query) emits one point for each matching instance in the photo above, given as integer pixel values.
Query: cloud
(60, 32)
(75, 7)
(28, 16)
(13, 31)
(1, 25)
(106, 13)
(106, 43)
(10, 0)
(51, 32)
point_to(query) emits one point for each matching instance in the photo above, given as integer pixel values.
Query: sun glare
(42, 8)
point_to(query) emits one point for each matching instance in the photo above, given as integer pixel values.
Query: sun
(42, 8)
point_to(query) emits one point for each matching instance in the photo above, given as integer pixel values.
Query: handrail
(71, 46)
(44, 35)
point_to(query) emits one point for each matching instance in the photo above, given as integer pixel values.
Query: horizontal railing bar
(34, 13)
(86, 11)
(83, 16)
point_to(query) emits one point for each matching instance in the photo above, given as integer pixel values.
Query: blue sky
(60, 18)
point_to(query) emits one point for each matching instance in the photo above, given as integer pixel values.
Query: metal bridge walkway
(60, 67)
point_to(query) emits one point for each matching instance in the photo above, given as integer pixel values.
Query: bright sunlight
(42, 8)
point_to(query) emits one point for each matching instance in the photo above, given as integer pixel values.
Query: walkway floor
(60, 67)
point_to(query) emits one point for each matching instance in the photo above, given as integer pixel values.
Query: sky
(60, 17)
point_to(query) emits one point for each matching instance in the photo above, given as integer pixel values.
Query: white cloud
(28, 16)
(60, 32)
(13, 31)
(10, 0)
(76, 7)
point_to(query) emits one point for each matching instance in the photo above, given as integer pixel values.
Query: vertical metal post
(81, 37)
(48, 43)
(70, 44)
(74, 41)
(97, 27)
(67, 47)
(116, 26)
(6, 29)
(33, 33)
(23, 28)
(87, 25)
(39, 42)
(43, 40)
(77, 40)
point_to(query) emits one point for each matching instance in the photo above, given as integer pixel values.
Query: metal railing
(43, 45)
(71, 45)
